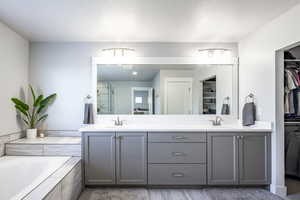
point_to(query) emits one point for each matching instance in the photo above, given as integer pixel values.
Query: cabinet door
(254, 158)
(99, 157)
(222, 159)
(131, 158)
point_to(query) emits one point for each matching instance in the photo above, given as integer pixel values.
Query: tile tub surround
(62, 133)
(48, 146)
(64, 184)
(8, 138)
(178, 194)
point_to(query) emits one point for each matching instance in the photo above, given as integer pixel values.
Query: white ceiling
(140, 20)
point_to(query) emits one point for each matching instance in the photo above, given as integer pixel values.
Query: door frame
(178, 79)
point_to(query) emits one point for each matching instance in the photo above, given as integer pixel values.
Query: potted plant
(34, 114)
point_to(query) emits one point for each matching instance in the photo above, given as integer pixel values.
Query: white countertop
(171, 127)
(48, 140)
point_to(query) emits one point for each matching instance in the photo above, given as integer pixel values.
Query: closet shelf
(291, 60)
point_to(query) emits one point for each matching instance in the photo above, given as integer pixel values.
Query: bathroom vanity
(178, 155)
(169, 139)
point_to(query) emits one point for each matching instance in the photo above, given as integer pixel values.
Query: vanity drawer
(177, 153)
(177, 174)
(177, 137)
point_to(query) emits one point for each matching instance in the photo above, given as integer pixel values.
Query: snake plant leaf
(20, 103)
(32, 93)
(48, 99)
(38, 100)
(43, 117)
(19, 108)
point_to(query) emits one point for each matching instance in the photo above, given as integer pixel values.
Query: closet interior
(292, 119)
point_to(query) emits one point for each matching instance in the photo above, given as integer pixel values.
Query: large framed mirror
(165, 89)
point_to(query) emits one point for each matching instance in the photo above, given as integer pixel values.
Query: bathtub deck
(65, 183)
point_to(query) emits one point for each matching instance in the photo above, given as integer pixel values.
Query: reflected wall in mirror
(143, 89)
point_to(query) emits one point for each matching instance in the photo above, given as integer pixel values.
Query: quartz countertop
(236, 127)
(48, 140)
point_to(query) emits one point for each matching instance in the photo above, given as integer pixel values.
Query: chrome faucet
(217, 121)
(118, 122)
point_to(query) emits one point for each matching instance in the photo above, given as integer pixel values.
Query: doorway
(288, 115)
(178, 96)
(209, 96)
(142, 101)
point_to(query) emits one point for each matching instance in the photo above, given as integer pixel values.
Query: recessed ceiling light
(134, 73)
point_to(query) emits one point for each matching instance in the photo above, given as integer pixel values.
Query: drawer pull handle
(177, 174)
(179, 137)
(178, 154)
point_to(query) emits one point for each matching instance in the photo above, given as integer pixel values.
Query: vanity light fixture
(215, 55)
(118, 52)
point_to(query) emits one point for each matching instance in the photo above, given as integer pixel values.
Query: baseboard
(280, 190)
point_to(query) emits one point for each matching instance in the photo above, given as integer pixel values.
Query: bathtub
(19, 175)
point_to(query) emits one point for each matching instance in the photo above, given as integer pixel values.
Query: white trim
(94, 88)
(280, 190)
(177, 79)
(156, 60)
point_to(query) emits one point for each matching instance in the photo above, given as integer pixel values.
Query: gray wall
(65, 68)
(123, 96)
(14, 60)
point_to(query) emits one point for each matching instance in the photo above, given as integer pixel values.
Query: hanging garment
(292, 81)
(291, 102)
(291, 96)
(286, 101)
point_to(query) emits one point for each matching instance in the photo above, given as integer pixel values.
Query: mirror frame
(162, 60)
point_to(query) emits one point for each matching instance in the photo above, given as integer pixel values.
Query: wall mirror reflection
(151, 89)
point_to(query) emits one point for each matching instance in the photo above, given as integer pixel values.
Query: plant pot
(31, 133)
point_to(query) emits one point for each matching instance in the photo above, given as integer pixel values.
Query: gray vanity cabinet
(99, 157)
(238, 158)
(115, 158)
(222, 159)
(131, 158)
(254, 158)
